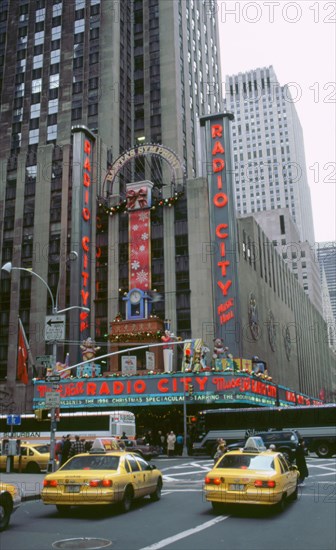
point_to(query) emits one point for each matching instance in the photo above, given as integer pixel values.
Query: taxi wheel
(281, 505)
(33, 468)
(63, 510)
(295, 494)
(5, 512)
(157, 493)
(127, 500)
(217, 506)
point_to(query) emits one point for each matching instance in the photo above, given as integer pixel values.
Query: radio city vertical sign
(81, 230)
(222, 228)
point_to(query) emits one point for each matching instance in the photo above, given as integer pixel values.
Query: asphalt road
(182, 520)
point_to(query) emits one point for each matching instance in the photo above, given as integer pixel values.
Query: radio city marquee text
(220, 200)
(170, 388)
(86, 215)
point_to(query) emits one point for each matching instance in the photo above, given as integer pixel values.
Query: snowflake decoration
(135, 227)
(144, 236)
(142, 276)
(142, 248)
(143, 217)
(135, 264)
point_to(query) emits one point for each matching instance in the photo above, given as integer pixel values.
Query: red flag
(22, 358)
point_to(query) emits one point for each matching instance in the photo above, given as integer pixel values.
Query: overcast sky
(298, 39)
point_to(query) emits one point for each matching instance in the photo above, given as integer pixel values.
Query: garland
(136, 336)
(122, 206)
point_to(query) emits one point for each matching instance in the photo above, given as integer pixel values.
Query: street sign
(53, 378)
(53, 399)
(44, 359)
(13, 420)
(54, 327)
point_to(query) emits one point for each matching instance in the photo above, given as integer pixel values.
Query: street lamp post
(55, 311)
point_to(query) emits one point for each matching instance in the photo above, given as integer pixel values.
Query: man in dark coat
(66, 449)
(300, 460)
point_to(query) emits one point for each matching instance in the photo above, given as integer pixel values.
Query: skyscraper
(268, 148)
(132, 72)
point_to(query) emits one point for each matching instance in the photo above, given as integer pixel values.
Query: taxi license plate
(237, 487)
(72, 488)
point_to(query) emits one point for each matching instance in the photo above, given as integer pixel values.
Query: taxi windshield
(247, 462)
(92, 463)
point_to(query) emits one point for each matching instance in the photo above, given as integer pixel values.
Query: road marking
(185, 534)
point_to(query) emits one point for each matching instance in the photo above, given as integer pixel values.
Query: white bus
(87, 424)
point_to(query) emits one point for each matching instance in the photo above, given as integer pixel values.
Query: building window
(35, 110)
(52, 132)
(79, 26)
(36, 85)
(54, 81)
(33, 136)
(37, 61)
(55, 56)
(56, 33)
(39, 38)
(94, 58)
(52, 106)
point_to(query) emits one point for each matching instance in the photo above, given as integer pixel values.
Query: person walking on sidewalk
(77, 447)
(66, 449)
(171, 440)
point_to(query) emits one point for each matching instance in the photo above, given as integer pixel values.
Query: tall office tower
(268, 148)
(326, 253)
(133, 72)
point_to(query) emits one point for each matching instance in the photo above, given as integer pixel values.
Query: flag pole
(30, 355)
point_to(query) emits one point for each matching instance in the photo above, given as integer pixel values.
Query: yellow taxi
(10, 499)
(102, 477)
(33, 459)
(252, 475)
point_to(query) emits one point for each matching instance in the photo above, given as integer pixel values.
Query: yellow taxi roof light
(105, 444)
(255, 445)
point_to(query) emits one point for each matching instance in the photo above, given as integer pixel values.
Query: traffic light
(191, 389)
(41, 414)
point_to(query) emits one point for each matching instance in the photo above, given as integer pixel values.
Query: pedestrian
(179, 444)
(300, 460)
(161, 442)
(171, 440)
(66, 449)
(58, 450)
(77, 447)
(124, 436)
(221, 450)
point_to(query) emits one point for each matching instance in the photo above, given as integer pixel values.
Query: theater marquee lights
(160, 389)
(222, 228)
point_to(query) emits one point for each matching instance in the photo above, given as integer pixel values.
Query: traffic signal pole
(185, 448)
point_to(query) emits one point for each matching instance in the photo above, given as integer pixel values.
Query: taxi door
(289, 476)
(149, 478)
(137, 477)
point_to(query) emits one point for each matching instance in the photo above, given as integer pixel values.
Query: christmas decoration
(122, 205)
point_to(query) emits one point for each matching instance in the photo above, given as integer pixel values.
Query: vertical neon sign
(222, 229)
(81, 234)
